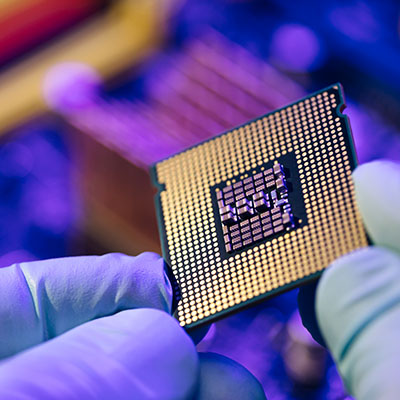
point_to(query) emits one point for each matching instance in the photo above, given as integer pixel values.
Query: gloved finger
(135, 354)
(40, 300)
(377, 186)
(358, 311)
(222, 378)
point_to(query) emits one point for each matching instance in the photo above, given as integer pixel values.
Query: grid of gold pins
(315, 134)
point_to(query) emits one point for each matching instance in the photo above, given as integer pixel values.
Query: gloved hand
(357, 299)
(76, 328)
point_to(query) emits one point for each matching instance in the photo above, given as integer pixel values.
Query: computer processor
(260, 209)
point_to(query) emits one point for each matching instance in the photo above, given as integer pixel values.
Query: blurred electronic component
(219, 273)
(123, 34)
(192, 98)
(25, 24)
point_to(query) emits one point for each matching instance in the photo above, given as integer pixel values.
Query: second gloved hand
(358, 296)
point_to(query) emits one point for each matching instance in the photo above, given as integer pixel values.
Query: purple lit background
(224, 63)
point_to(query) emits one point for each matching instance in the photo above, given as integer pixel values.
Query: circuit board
(260, 209)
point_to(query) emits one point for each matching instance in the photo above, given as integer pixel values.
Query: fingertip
(377, 188)
(375, 168)
(145, 278)
(150, 256)
(352, 290)
(145, 257)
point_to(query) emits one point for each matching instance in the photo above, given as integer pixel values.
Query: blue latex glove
(81, 328)
(138, 353)
(357, 299)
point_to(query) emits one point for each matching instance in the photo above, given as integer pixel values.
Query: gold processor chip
(260, 209)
